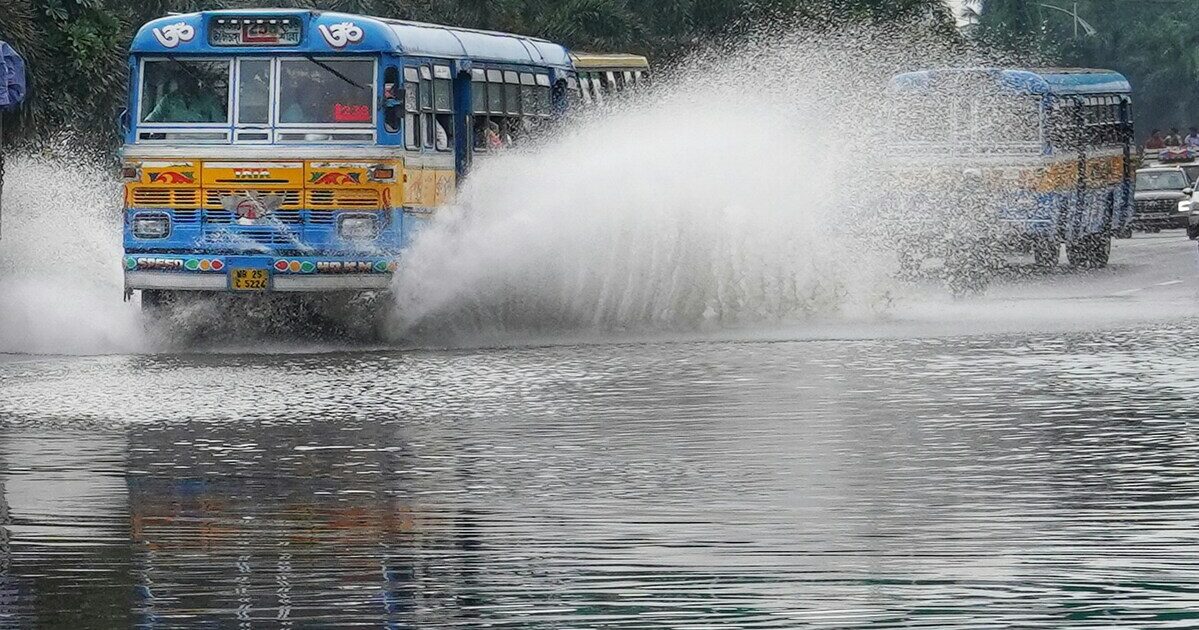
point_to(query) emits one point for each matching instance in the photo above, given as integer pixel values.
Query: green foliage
(1155, 44)
(76, 48)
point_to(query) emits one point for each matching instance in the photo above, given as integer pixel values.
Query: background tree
(76, 48)
(1155, 44)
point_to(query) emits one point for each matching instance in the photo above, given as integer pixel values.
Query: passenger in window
(1192, 139)
(1174, 139)
(491, 136)
(442, 141)
(1156, 142)
(509, 132)
(190, 102)
(479, 131)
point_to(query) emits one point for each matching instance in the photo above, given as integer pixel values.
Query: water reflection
(1008, 481)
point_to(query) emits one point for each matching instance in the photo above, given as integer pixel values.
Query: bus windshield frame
(255, 87)
(962, 122)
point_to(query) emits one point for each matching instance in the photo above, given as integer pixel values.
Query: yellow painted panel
(428, 188)
(444, 186)
(168, 174)
(334, 174)
(259, 175)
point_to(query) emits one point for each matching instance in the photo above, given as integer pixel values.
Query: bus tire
(1101, 250)
(155, 301)
(1047, 252)
(1090, 252)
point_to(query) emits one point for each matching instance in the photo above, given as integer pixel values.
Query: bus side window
(411, 108)
(443, 106)
(426, 106)
(545, 99)
(478, 100)
(528, 95)
(393, 106)
(511, 93)
(495, 93)
(585, 85)
(597, 91)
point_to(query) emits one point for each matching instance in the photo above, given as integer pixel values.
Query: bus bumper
(283, 274)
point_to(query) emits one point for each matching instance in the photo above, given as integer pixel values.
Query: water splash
(728, 197)
(60, 252)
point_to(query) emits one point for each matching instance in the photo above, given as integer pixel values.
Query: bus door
(464, 113)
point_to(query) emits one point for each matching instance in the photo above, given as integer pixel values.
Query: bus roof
(1052, 81)
(323, 32)
(591, 61)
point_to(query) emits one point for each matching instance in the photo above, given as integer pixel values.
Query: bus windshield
(326, 91)
(183, 91)
(982, 123)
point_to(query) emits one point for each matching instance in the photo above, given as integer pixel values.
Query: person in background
(1155, 142)
(492, 136)
(442, 138)
(1192, 139)
(1174, 139)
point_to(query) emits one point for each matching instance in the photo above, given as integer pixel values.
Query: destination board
(254, 32)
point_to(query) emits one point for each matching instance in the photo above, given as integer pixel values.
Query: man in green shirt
(182, 105)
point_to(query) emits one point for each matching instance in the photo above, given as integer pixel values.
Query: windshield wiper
(334, 72)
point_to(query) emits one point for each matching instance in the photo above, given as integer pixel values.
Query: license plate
(249, 279)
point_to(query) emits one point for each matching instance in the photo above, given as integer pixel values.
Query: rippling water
(999, 481)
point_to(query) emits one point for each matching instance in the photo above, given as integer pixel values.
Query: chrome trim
(173, 281)
(280, 283)
(356, 282)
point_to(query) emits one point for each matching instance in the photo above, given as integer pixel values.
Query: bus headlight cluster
(150, 226)
(358, 227)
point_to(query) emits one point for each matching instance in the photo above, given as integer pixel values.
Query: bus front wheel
(1092, 251)
(1046, 252)
(155, 301)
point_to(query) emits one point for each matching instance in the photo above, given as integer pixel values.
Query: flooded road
(993, 479)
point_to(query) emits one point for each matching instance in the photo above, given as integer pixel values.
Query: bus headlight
(149, 226)
(358, 227)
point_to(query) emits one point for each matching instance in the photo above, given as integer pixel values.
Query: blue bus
(291, 151)
(998, 158)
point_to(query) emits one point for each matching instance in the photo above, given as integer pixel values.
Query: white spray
(725, 198)
(60, 260)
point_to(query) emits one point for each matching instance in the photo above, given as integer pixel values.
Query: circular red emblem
(247, 209)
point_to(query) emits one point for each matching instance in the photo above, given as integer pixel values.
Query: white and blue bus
(1031, 159)
(290, 151)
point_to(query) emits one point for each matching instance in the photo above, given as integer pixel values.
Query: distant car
(1162, 199)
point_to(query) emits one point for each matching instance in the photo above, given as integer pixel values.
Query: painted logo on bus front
(335, 178)
(172, 35)
(341, 34)
(172, 177)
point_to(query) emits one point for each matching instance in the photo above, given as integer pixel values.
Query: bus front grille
(358, 199)
(220, 217)
(213, 196)
(255, 235)
(166, 197)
